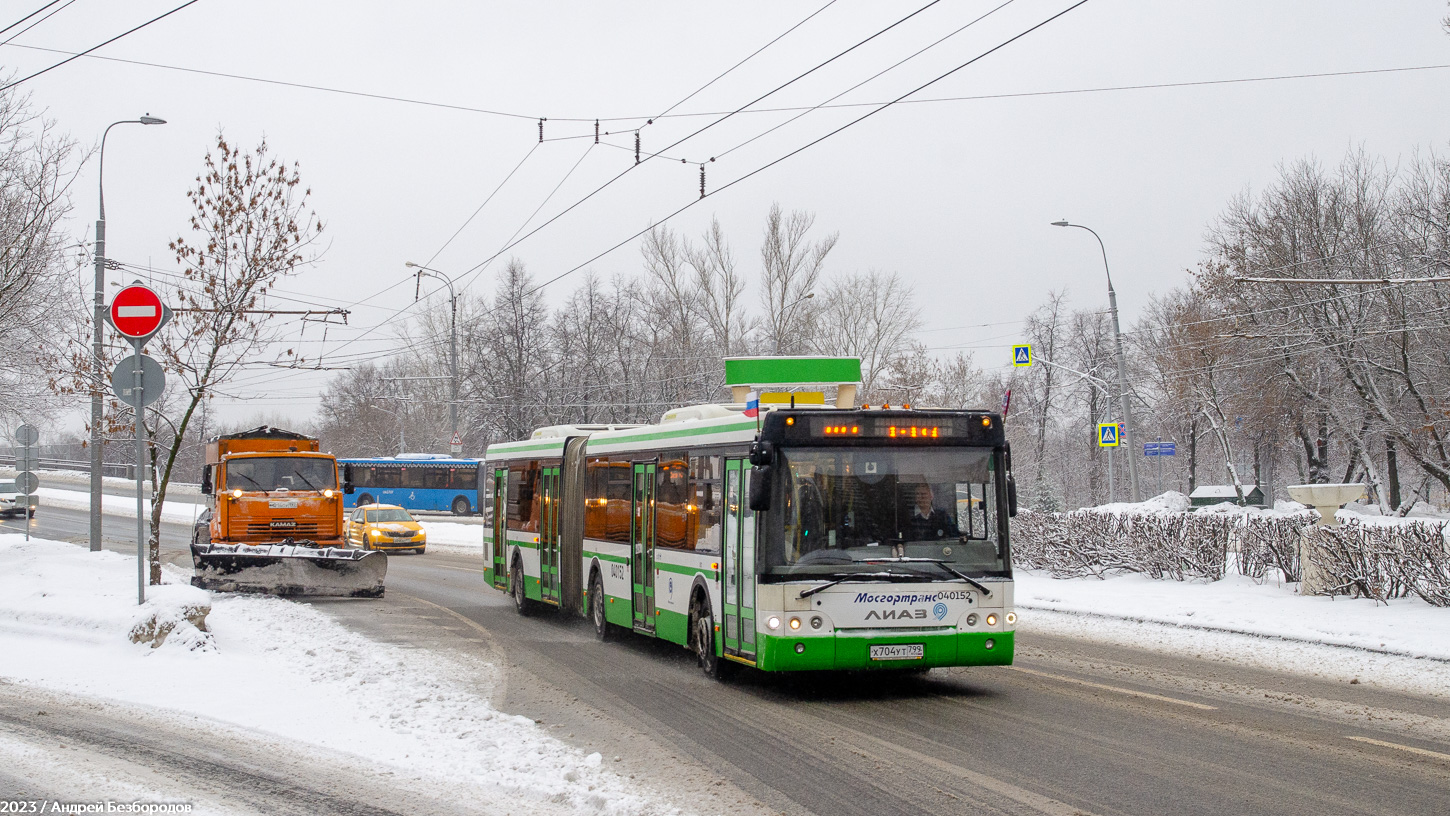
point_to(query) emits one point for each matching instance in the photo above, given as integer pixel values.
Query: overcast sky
(956, 195)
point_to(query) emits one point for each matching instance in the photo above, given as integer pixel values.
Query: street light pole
(1123, 396)
(452, 337)
(98, 373)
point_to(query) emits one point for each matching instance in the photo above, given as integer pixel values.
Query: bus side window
(673, 516)
(521, 497)
(705, 487)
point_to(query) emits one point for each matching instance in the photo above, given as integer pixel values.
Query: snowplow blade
(286, 569)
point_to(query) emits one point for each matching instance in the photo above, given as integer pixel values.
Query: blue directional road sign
(1160, 449)
(1022, 355)
(1108, 434)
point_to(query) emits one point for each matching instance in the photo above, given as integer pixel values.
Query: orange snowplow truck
(274, 520)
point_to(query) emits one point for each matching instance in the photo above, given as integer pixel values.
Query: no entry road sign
(136, 311)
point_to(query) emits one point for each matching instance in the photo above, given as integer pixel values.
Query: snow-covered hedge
(1384, 561)
(1360, 557)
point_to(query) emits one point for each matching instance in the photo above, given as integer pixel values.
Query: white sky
(956, 196)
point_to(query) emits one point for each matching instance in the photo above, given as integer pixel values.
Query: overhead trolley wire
(7, 40)
(28, 16)
(812, 143)
(99, 45)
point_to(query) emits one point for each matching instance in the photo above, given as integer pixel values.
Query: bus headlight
(795, 623)
(1011, 618)
(992, 619)
(773, 622)
(972, 619)
(816, 622)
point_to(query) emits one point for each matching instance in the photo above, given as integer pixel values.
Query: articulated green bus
(801, 539)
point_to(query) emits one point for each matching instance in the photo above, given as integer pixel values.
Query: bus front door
(500, 527)
(738, 593)
(549, 534)
(642, 535)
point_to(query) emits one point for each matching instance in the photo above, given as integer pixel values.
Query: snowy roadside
(65, 615)
(1403, 645)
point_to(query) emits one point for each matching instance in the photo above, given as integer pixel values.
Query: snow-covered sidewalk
(1403, 645)
(65, 617)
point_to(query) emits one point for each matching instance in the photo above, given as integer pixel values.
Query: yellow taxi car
(384, 527)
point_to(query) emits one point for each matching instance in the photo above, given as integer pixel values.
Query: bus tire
(365, 498)
(460, 506)
(522, 604)
(603, 629)
(702, 639)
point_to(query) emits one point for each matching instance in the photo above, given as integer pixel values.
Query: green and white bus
(805, 538)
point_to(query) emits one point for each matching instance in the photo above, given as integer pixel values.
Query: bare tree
(791, 267)
(870, 315)
(250, 226)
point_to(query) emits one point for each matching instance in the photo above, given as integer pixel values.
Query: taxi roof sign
(1108, 434)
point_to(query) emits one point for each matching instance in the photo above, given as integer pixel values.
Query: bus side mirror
(347, 479)
(762, 454)
(206, 480)
(1011, 496)
(761, 482)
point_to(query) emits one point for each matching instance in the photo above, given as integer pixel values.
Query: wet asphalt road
(1074, 727)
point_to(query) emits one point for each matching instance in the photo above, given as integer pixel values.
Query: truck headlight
(327, 494)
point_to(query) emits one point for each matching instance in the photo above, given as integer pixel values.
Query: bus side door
(738, 553)
(642, 551)
(500, 527)
(549, 534)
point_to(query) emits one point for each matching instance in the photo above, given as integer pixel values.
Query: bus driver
(926, 521)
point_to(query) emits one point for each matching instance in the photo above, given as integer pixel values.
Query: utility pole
(1123, 394)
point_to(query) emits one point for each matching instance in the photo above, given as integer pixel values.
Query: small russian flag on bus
(752, 404)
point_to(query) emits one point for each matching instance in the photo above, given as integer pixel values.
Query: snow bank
(283, 668)
(1403, 644)
(450, 536)
(172, 510)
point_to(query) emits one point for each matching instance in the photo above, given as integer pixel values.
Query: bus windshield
(281, 473)
(847, 511)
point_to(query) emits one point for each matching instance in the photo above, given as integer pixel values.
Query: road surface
(1074, 728)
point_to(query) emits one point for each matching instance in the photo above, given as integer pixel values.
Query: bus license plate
(899, 651)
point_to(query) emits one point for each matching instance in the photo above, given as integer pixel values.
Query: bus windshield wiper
(940, 563)
(806, 593)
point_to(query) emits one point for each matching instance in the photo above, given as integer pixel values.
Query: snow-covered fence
(1383, 561)
(1363, 559)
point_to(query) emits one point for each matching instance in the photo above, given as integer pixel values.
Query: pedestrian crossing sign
(1108, 434)
(1022, 355)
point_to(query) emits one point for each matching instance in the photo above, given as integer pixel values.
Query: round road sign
(27, 435)
(26, 483)
(153, 380)
(136, 311)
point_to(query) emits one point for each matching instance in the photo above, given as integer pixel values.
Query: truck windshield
(281, 473)
(839, 511)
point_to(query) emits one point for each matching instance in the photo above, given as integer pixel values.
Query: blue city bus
(414, 481)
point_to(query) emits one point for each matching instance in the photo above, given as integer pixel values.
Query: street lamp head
(809, 296)
(148, 119)
(409, 264)
(1062, 223)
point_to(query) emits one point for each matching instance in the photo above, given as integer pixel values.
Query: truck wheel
(460, 506)
(522, 604)
(365, 498)
(597, 601)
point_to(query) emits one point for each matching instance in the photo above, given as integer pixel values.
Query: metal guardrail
(126, 471)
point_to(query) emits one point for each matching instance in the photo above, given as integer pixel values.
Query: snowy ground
(65, 615)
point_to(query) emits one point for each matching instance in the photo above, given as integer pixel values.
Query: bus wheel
(364, 499)
(516, 589)
(460, 506)
(702, 637)
(596, 608)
